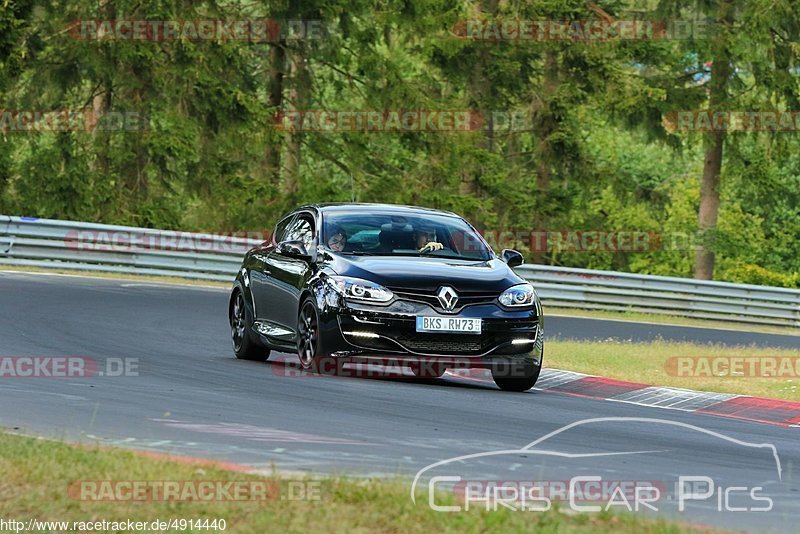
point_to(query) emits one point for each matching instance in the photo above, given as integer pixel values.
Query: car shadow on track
(288, 366)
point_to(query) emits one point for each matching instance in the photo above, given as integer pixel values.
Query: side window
(301, 229)
(280, 229)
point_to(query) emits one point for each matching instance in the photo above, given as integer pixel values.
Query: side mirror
(512, 257)
(293, 249)
(322, 254)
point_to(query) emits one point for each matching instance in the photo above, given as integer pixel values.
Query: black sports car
(380, 283)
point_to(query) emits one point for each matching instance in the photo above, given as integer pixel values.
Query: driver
(425, 237)
(337, 239)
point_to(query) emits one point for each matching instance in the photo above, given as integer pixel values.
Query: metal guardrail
(609, 290)
(123, 249)
(28, 241)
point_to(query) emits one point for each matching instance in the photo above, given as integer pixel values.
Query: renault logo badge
(447, 297)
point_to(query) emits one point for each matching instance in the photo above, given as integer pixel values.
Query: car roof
(371, 207)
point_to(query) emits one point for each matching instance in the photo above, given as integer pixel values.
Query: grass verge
(647, 363)
(38, 472)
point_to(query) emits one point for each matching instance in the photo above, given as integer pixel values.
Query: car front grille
(442, 343)
(465, 298)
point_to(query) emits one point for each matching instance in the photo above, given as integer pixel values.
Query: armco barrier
(97, 247)
(609, 290)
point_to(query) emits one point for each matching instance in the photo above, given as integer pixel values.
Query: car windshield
(402, 234)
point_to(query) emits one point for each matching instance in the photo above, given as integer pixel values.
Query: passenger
(337, 239)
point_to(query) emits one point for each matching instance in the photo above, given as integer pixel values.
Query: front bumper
(369, 333)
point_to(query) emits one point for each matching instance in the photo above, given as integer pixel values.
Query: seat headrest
(396, 235)
(397, 227)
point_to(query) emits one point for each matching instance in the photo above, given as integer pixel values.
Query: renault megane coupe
(371, 283)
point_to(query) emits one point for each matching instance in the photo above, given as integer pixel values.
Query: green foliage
(593, 152)
(754, 274)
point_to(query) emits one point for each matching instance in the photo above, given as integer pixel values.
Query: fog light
(522, 341)
(362, 334)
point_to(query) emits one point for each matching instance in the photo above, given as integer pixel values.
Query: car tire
(309, 342)
(427, 370)
(516, 377)
(241, 320)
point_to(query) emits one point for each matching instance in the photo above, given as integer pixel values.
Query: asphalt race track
(188, 395)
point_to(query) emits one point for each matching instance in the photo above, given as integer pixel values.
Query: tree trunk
(481, 93)
(709, 207)
(300, 87)
(272, 151)
(101, 137)
(712, 165)
(545, 124)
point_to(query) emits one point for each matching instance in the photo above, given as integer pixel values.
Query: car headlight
(358, 289)
(519, 296)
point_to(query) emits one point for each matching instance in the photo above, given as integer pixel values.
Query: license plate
(458, 325)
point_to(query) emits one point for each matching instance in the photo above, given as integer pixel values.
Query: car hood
(428, 273)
